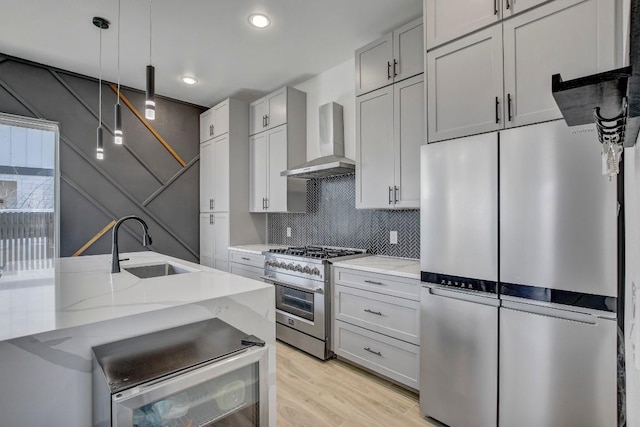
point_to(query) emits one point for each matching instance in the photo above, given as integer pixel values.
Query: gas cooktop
(318, 252)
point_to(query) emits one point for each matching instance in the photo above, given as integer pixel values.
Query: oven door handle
(317, 290)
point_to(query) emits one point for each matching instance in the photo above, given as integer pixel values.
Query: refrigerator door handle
(556, 313)
(464, 296)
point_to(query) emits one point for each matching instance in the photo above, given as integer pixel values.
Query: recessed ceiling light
(259, 20)
(189, 80)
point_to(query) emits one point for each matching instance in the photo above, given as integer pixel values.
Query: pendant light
(102, 24)
(150, 103)
(117, 130)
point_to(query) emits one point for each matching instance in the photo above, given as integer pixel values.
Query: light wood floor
(312, 393)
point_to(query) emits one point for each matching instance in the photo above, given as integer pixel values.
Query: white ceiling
(210, 39)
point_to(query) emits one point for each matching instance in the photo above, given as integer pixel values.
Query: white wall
(336, 84)
(632, 321)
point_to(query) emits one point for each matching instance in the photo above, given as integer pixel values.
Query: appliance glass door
(295, 301)
(229, 392)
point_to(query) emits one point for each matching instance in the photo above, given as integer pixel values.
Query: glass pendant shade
(117, 131)
(150, 103)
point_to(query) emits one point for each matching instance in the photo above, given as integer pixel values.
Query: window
(29, 182)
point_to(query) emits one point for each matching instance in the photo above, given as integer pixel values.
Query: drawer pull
(374, 283)
(377, 353)
(373, 312)
(245, 258)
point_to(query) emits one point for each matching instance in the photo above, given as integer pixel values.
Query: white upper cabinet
(389, 132)
(214, 122)
(270, 111)
(500, 77)
(392, 58)
(465, 86)
(447, 20)
(281, 145)
(575, 38)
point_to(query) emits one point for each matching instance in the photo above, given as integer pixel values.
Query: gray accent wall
(333, 220)
(140, 177)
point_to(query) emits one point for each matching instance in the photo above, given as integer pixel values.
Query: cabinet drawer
(382, 283)
(387, 356)
(248, 271)
(245, 258)
(396, 317)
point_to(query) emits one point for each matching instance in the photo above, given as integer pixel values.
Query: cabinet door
(511, 7)
(207, 239)
(374, 63)
(447, 20)
(408, 129)
(408, 50)
(207, 176)
(221, 118)
(221, 242)
(464, 89)
(276, 108)
(257, 172)
(277, 185)
(221, 173)
(206, 125)
(374, 149)
(575, 38)
(257, 121)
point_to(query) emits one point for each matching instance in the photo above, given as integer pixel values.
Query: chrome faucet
(115, 257)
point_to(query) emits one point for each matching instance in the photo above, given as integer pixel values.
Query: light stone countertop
(81, 291)
(403, 267)
(256, 249)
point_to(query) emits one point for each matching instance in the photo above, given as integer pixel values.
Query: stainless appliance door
(557, 367)
(233, 387)
(300, 303)
(459, 357)
(557, 212)
(459, 207)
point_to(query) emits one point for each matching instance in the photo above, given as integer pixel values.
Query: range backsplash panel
(333, 220)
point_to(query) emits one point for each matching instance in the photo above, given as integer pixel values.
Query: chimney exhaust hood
(332, 162)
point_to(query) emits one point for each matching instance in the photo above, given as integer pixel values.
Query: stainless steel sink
(156, 270)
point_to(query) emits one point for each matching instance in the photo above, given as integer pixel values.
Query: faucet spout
(115, 256)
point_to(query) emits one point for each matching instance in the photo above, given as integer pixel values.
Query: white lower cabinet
(376, 328)
(246, 264)
(214, 240)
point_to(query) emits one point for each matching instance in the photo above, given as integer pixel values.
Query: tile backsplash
(332, 220)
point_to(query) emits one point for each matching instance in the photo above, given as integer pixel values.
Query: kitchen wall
(331, 217)
(139, 178)
(632, 310)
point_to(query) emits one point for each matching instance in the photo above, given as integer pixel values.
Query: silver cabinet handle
(395, 194)
(388, 70)
(210, 203)
(377, 353)
(390, 191)
(266, 200)
(374, 283)
(378, 313)
(395, 67)
(213, 205)
(495, 7)
(264, 206)
(267, 117)
(210, 218)
(245, 258)
(510, 117)
(508, 5)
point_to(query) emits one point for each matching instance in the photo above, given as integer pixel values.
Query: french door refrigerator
(518, 260)
(558, 281)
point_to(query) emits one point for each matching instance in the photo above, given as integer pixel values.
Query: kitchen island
(50, 319)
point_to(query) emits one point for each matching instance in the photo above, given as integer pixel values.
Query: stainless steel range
(303, 294)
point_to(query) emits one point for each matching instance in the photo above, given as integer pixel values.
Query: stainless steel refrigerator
(528, 210)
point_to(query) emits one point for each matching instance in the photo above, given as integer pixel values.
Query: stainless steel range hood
(332, 162)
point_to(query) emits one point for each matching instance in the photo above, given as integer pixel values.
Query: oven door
(299, 303)
(232, 391)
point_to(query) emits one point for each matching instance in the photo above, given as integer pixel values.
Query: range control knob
(306, 269)
(269, 263)
(278, 264)
(298, 267)
(290, 266)
(315, 272)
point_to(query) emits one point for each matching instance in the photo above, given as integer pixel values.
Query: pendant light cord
(119, 22)
(150, 28)
(100, 83)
